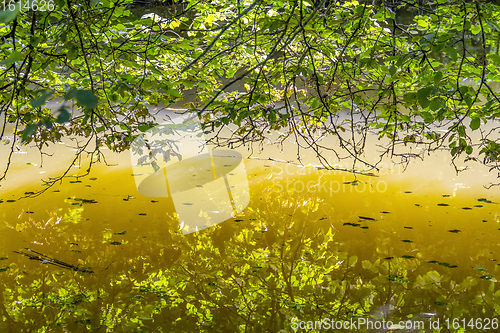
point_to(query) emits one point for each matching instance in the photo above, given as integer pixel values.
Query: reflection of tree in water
(288, 257)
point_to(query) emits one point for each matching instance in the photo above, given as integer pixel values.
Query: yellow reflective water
(92, 254)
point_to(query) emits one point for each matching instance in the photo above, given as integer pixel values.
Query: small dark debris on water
(442, 204)
(407, 191)
(29, 193)
(484, 200)
(406, 241)
(120, 233)
(143, 214)
(352, 224)
(365, 227)
(455, 231)
(4, 258)
(86, 200)
(93, 178)
(238, 220)
(485, 221)
(408, 227)
(384, 212)
(29, 212)
(187, 203)
(418, 205)
(154, 201)
(466, 208)
(389, 258)
(115, 243)
(407, 257)
(323, 218)
(433, 262)
(446, 195)
(367, 218)
(76, 244)
(11, 200)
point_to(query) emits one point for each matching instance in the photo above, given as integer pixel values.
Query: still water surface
(312, 244)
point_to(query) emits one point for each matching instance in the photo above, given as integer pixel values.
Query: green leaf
(475, 123)
(143, 127)
(86, 98)
(40, 100)
(173, 92)
(476, 29)
(63, 116)
(9, 15)
(13, 57)
(468, 150)
(438, 77)
(452, 53)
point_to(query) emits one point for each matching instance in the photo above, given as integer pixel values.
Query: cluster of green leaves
(404, 71)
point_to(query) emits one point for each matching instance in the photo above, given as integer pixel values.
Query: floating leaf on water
(442, 204)
(88, 186)
(433, 262)
(452, 266)
(408, 227)
(478, 206)
(484, 200)
(187, 203)
(466, 208)
(479, 268)
(406, 241)
(407, 257)
(367, 218)
(444, 264)
(115, 243)
(454, 231)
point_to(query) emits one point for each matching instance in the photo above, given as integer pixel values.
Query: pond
(312, 250)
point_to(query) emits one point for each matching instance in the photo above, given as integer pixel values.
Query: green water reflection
(310, 245)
